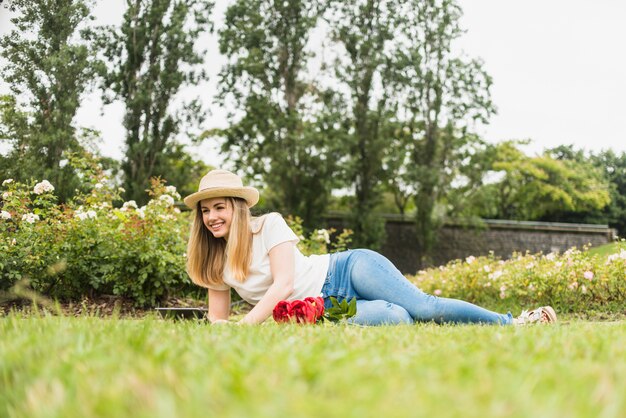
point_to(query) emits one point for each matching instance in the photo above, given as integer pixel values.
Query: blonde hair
(207, 256)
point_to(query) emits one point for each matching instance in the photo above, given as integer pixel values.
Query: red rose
(282, 311)
(303, 312)
(319, 305)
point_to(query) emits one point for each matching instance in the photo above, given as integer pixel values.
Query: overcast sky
(558, 66)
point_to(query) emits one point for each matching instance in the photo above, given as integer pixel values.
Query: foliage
(87, 247)
(340, 311)
(181, 169)
(151, 57)
(281, 127)
(319, 241)
(575, 281)
(48, 68)
(538, 187)
(613, 169)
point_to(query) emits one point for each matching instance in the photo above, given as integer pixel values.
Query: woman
(258, 257)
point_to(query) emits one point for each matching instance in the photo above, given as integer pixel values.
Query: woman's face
(217, 215)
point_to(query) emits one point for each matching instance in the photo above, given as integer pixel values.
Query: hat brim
(249, 194)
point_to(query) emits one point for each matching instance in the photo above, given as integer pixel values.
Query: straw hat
(222, 183)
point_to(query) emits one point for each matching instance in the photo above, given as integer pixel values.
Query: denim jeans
(385, 296)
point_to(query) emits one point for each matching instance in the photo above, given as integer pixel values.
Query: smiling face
(217, 215)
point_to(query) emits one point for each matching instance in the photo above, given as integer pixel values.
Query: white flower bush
(575, 281)
(128, 251)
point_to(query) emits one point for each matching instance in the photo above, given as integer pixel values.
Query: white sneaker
(542, 315)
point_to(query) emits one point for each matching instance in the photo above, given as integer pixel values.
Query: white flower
(323, 235)
(487, 269)
(43, 187)
(6, 195)
(437, 292)
(7, 181)
(583, 289)
(141, 212)
(176, 210)
(14, 241)
(558, 264)
(495, 275)
(99, 186)
(550, 256)
(171, 190)
(5, 215)
(31, 218)
(90, 214)
(129, 204)
(588, 275)
(169, 200)
(470, 259)
(530, 266)
(622, 254)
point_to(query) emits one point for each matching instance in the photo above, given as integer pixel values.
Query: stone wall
(502, 237)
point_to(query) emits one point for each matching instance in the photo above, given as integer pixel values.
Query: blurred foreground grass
(91, 367)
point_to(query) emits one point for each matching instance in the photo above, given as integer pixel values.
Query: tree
(150, 58)
(534, 188)
(613, 169)
(365, 29)
(282, 127)
(48, 69)
(441, 97)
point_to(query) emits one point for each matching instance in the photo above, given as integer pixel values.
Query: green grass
(607, 249)
(90, 367)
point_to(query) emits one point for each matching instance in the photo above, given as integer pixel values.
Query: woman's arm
(219, 305)
(282, 266)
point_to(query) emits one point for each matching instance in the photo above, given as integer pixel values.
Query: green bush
(88, 247)
(573, 282)
(319, 241)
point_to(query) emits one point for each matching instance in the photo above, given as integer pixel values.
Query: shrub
(575, 281)
(88, 246)
(319, 241)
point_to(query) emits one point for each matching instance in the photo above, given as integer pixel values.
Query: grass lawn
(91, 367)
(607, 249)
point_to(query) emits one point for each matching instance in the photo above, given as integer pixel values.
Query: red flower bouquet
(307, 311)
(311, 310)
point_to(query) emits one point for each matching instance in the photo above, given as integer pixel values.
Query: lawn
(607, 249)
(93, 367)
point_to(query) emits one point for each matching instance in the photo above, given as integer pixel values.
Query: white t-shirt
(268, 231)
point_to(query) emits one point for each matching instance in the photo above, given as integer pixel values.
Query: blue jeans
(385, 296)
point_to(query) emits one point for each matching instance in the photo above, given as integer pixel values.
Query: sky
(558, 69)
